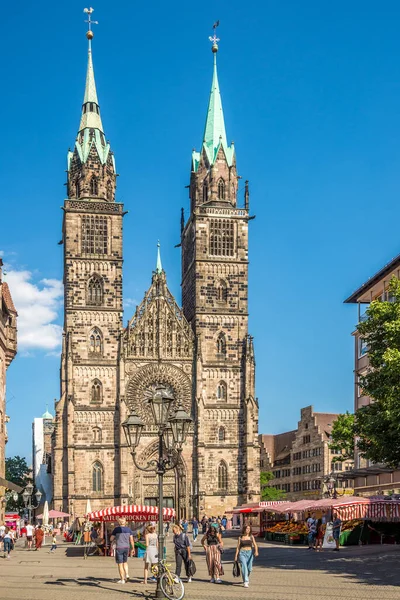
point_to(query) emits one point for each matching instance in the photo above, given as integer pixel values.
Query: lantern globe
(133, 429)
(29, 489)
(160, 404)
(38, 496)
(180, 424)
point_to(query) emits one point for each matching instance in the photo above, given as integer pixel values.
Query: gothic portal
(200, 353)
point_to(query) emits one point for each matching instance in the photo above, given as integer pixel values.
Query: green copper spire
(159, 268)
(214, 132)
(90, 107)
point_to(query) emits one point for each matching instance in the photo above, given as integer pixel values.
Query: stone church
(202, 353)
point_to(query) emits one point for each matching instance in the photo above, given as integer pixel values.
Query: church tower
(87, 438)
(215, 302)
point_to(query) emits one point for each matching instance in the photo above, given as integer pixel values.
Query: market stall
(256, 514)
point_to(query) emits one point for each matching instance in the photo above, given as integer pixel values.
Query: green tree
(377, 425)
(17, 471)
(269, 493)
(342, 437)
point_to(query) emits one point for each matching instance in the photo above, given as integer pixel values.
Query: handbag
(236, 572)
(191, 568)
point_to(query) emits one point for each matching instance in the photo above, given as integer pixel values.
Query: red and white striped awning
(131, 512)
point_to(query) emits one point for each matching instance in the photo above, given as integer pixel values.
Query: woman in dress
(39, 535)
(151, 555)
(244, 552)
(213, 545)
(319, 540)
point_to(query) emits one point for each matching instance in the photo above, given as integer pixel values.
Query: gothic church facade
(202, 353)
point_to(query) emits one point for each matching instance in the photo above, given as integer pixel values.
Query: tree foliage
(269, 493)
(377, 425)
(17, 471)
(342, 437)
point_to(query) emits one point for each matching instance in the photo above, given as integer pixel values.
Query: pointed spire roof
(159, 268)
(214, 132)
(90, 114)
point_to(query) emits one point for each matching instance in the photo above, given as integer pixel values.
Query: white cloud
(129, 302)
(37, 305)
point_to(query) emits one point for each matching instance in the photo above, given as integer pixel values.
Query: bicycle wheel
(172, 587)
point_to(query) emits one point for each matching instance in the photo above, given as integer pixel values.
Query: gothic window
(141, 343)
(169, 335)
(178, 344)
(150, 335)
(221, 434)
(96, 431)
(222, 291)
(95, 291)
(221, 237)
(221, 391)
(221, 344)
(77, 189)
(97, 477)
(222, 476)
(221, 189)
(95, 341)
(94, 235)
(205, 192)
(109, 190)
(94, 186)
(96, 392)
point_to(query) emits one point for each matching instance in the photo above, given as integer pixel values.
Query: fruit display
(349, 525)
(288, 527)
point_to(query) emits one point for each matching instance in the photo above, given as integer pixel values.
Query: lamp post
(27, 498)
(172, 432)
(331, 485)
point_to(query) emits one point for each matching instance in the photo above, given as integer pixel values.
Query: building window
(97, 477)
(221, 391)
(297, 456)
(221, 237)
(95, 291)
(362, 347)
(222, 476)
(222, 291)
(221, 344)
(109, 191)
(94, 186)
(77, 189)
(221, 434)
(94, 235)
(221, 189)
(96, 434)
(205, 192)
(96, 392)
(306, 439)
(95, 341)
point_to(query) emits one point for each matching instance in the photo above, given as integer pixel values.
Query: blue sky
(311, 94)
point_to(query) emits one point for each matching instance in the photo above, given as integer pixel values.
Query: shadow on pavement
(104, 584)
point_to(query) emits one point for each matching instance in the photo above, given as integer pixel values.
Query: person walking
(30, 530)
(53, 544)
(336, 527)
(39, 535)
(212, 544)
(320, 535)
(195, 528)
(7, 543)
(151, 555)
(182, 551)
(123, 537)
(312, 531)
(204, 525)
(244, 552)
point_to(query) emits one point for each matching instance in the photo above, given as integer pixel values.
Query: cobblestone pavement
(280, 573)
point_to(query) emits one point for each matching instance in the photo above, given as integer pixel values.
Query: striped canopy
(131, 512)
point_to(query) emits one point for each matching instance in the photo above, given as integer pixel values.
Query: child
(53, 544)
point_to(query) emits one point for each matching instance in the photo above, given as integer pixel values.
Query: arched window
(221, 391)
(77, 189)
(221, 434)
(222, 476)
(205, 192)
(96, 392)
(109, 190)
(94, 186)
(221, 344)
(95, 291)
(221, 189)
(222, 291)
(96, 341)
(96, 431)
(97, 477)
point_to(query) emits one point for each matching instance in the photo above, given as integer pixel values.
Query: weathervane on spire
(214, 39)
(89, 21)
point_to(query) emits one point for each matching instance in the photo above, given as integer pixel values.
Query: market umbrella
(54, 514)
(88, 507)
(45, 517)
(132, 512)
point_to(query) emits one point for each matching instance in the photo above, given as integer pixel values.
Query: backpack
(190, 543)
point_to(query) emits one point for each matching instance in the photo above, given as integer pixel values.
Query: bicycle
(171, 585)
(91, 549)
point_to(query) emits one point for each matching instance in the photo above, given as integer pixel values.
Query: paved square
(280, 573)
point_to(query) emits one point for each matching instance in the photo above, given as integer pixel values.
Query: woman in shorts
(151, 555)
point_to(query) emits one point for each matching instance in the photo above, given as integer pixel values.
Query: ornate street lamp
(27, 498)
(172, 433)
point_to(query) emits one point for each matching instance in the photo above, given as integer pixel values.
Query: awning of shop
(10, 485)
(131, 512)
